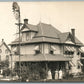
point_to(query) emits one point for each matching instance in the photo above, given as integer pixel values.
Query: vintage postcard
(42, 41)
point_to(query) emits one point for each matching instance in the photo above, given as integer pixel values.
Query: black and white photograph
(42, 41)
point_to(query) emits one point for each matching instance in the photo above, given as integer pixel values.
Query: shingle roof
(30, 27)
(41, 57)
(47, 30)
(46, 33)
(63, 37)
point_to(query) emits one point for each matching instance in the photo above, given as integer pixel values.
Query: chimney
(25, 21)
(73, 34)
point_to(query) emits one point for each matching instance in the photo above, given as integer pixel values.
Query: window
(0, 51)
(79, 67)
(51, 52)
(7, 57)
(69, 67)
(6, 51)
(37, 51)
(69, 53)
(27, 36)
(78, 53)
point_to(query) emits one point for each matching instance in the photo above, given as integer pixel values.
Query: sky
(63, 15)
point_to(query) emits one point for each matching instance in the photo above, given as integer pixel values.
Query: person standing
(49, 75)
(60, 74)
(56, 74)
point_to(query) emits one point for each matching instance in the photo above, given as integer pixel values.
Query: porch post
(46, 64)
(67, 69)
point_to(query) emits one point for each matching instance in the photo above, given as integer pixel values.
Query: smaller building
(4, 54)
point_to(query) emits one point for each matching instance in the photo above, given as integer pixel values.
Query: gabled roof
(64, 36)
(29, 27)
(3, 43)
(47, 33)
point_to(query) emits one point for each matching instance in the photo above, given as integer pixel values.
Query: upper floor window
(52, 49)
(69, 53)
(6, 51)
(51, 52)
(37, 49)
(68, 50)
(0, 51)
(27, 36)
(7, 57)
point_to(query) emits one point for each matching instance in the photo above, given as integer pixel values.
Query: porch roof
(41, 57)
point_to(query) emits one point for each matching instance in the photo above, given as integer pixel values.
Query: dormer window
(27, 36)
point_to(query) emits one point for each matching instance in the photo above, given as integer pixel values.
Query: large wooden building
(42, 43)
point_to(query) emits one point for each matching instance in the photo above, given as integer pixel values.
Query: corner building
(44, 44)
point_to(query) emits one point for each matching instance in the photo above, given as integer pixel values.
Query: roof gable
(3, 43)
(64, 37)
(29, 27)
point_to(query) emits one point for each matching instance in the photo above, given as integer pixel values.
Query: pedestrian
(49, 75)
(56, 74)
(60, 74)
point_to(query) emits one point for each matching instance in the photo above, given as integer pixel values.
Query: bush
(6, 72)
(34, 71)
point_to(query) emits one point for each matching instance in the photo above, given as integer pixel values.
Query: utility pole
(16, 10)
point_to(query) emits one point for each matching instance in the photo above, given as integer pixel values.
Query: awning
(53, 48)
(15, 49)
(80, 50)
(71, 63)
(80, 64)
(68, 48)
(36, 48)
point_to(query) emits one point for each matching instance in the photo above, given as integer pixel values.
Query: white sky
(62, 15)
